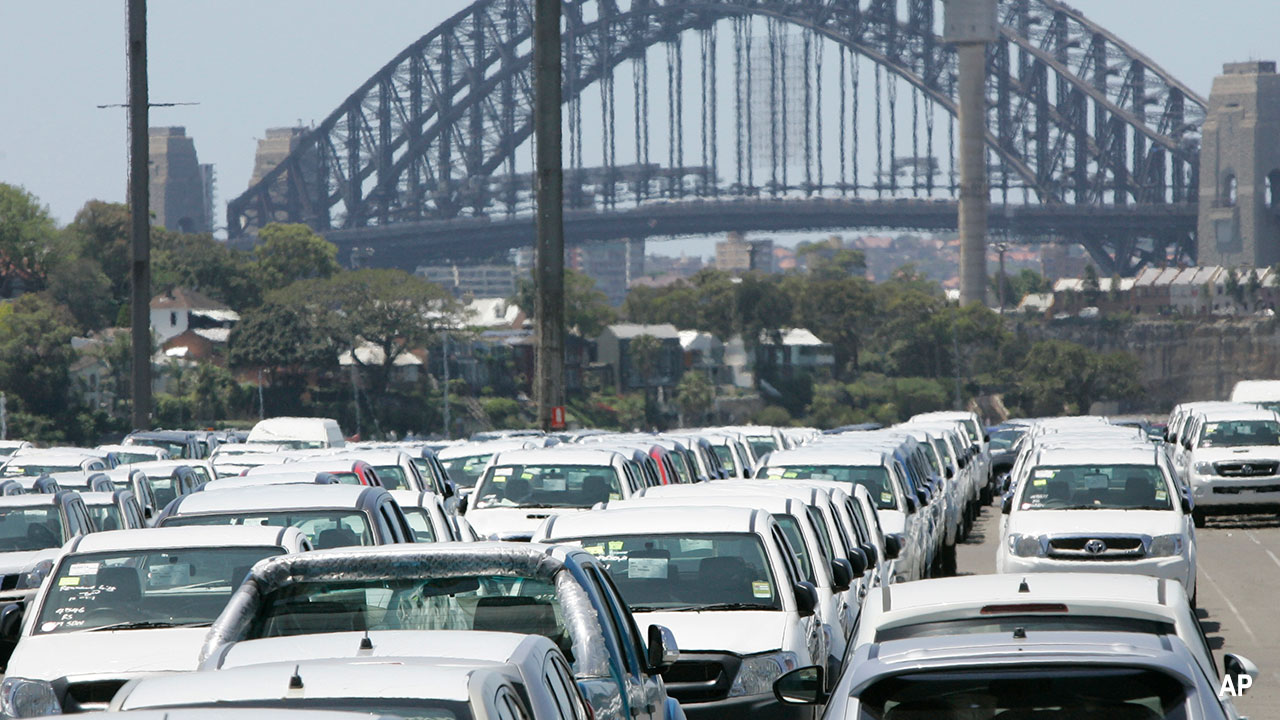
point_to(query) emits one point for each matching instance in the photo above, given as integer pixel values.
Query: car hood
(1101, 522)
(107, 654)
(737, 631)
(1261, 452)
(16, 562)
(504, 522)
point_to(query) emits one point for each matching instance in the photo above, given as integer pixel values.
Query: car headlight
(1025, 545)
(32, 578)
(23, 698)
(1205, 468)
(758, 672)
(1165, 546)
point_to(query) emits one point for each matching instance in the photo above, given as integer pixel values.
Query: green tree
(290, 252)
(79, 285)
(281, 337)
(202, 263)
(695, 396)
(586, 307)
(676, 303)
(1090, 284)
(27, 239)
(646, 350)
(36, 354)
(100, 232)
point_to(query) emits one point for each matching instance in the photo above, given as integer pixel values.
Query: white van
(1265, 393)
(300, 433)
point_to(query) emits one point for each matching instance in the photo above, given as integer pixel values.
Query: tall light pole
(139, 214)
(549, 180)
(970, 26)
(1002, 248)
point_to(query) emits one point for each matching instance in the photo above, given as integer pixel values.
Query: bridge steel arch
(1076, 116)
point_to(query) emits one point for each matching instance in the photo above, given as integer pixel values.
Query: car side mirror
(462, 505)
(1188, 504)
(1233, 666)
(869, 552)
(913, 504)
(802, 686)
(1006, 506)
(922, 495)
(11, 622)
(806, 598)
(1003, 482)
(842, 574)
(951, 473)
(1186, 444)
(986, 438)
(449, 489)
(746, 473)
(663, 651)
(892, 546)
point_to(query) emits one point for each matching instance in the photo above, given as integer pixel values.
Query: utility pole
(549, 180)
(970, 25)
(1002, 248)
(139, 214)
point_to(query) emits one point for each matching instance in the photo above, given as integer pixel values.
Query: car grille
(9, 582)
(1096, 548)
(701, 677)
(93, 695)
(1246, 490)
(1243, 469)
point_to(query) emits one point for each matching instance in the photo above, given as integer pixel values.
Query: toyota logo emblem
(1247, 469)
(1095, 547)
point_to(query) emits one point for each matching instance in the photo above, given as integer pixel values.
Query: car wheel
(949, 561)
(1198, 517)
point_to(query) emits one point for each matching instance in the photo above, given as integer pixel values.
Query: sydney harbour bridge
(688, 117)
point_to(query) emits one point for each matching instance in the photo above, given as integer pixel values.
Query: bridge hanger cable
(844, 103)
(772, 30)
(715, 112)
(915, 141)
(784, 110)
(817, 68)
(854, 63)
(808, 112)
(879, 180)
(737, 98)
(893, 133)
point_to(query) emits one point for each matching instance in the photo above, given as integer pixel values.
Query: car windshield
(1059, 691)
(18, 470)
(1004, 439)
(420, 524)
(944, 450)
(106, 517)
(30, 528)
(875, 478)
(498, 602)
(466, 471)
(129, 458)
(762, 445)
(572, 486)
(175, 449)
(694, 571)
(1240, 433)
(325, 528)
(164, 487)
(393, 477)
(347, 478)
(725, 453)
(144, 588)
(1096, 487)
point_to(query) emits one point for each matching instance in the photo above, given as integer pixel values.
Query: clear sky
(254, 64)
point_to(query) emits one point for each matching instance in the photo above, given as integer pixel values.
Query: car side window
(507, 705)
(135, 514)
(561, 687)
(625, 620)
(386, 525)
(788, 555)
(612, 618)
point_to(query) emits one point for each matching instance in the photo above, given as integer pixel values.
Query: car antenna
(1020, 633)
(295, 681)
(365, 642)
(1023, 587)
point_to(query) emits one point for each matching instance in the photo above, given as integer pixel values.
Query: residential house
(705, 353)
(664, 368)
(177, 309)
(793, 352)
(406, 368)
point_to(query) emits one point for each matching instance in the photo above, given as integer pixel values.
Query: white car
(122, 604)
(522, 488)
(130, 454)
(433, 674)
(466, 462)
(330, 515)
(33, 529)
(725, 580)
(1115, 510)
(1233, 460)
(32, 462)
(1045, 602)
(428, 518)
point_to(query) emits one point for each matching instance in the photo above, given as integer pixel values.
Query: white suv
(1233, 460)
(1115, 510)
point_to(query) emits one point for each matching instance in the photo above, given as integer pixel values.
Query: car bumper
(756, 707)
(1222, 495)
(1172, 568)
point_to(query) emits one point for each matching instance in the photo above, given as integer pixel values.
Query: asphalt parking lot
(1239, 592)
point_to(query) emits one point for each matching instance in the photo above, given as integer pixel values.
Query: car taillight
(1023, 608)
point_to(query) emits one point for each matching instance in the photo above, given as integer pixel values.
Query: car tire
(949, 565)
(1198, 517)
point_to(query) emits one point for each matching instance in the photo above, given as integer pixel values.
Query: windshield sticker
(647, 568)
(1046, 474)
(791, 475)
(68, 581)
(1038, 482)
(502, 472)
(775, 472)
(761, 589)
(688, 545)
(1026, 506)
(49, 626)
(615, 546)
(86, 568)
(821, 476)
(595, 549)
(553, 484)
(1161, 494)
(886, 497)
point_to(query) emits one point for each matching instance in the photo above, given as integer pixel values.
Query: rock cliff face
(1187, 360)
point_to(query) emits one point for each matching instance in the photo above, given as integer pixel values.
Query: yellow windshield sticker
(615, 545)
(69, 581)
(761, 589)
